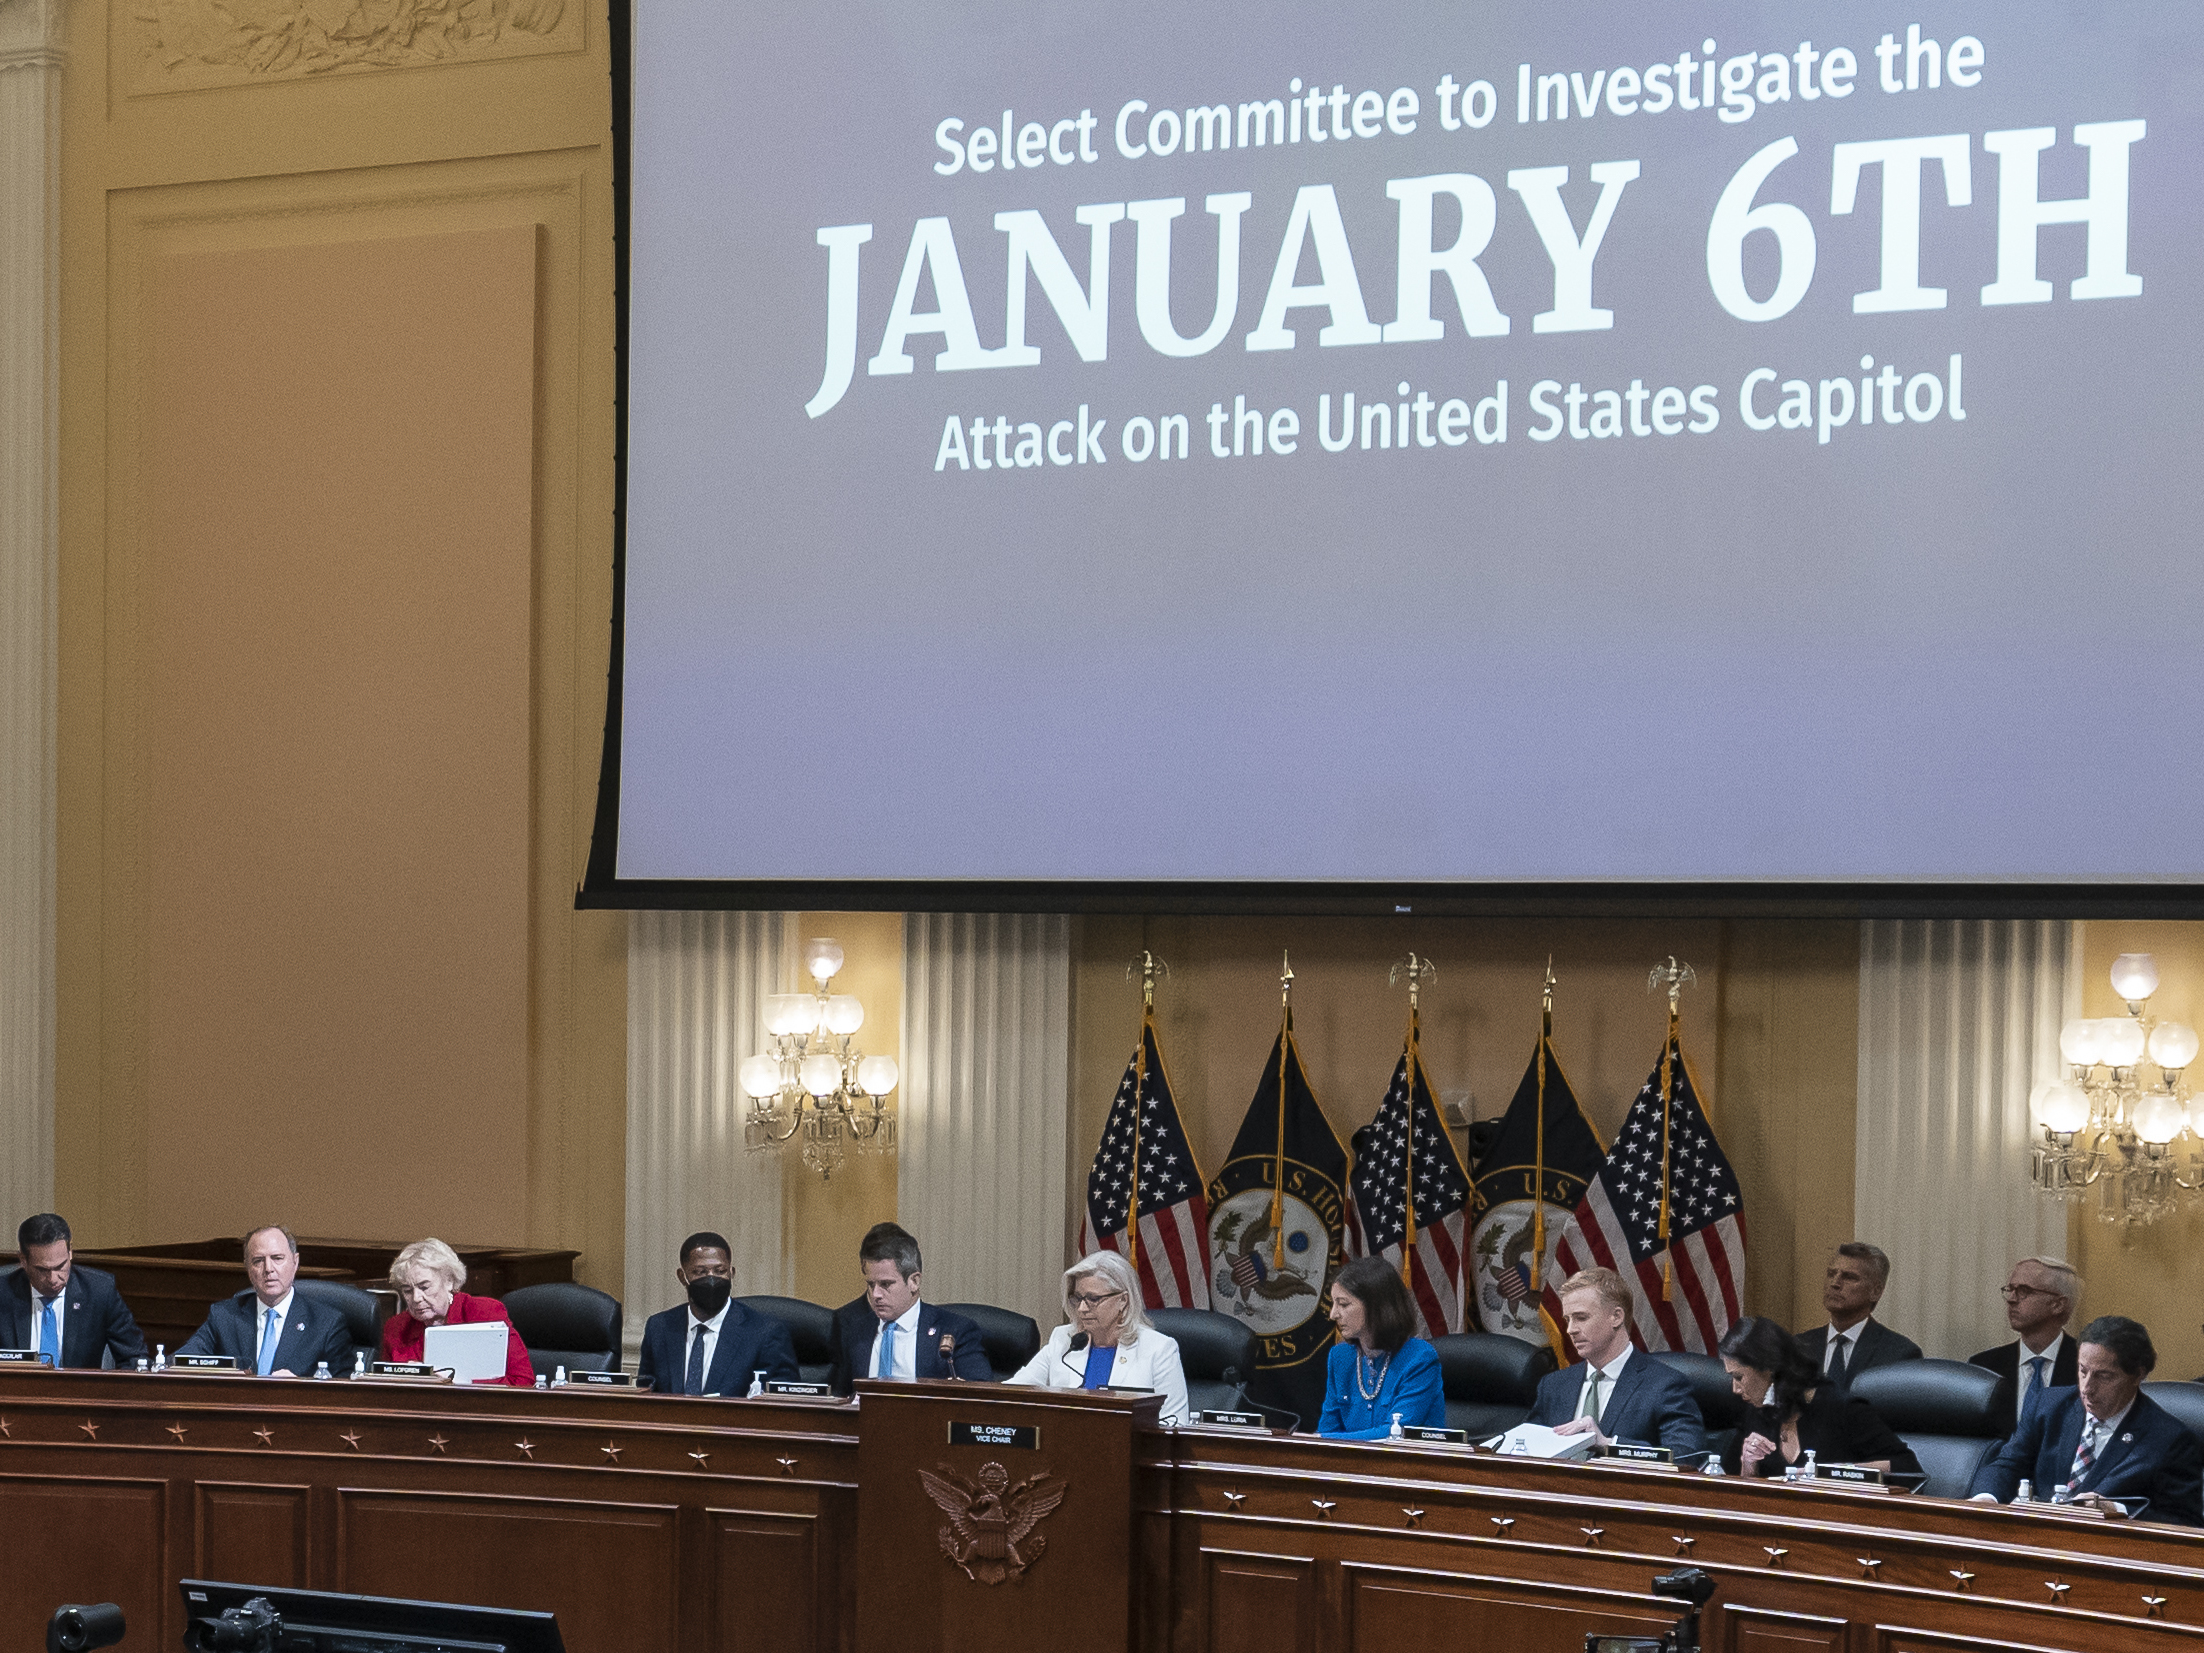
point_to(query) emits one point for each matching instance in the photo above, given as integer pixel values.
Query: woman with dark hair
(1378, 1370)
(1799, 1413)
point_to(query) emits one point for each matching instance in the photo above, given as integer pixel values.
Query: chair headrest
(810, 1327)
(1490, 1367)
(1710, 1385)
(1208, 1341)
(565, 1314)
(1935, 1397)
(1010, 1338)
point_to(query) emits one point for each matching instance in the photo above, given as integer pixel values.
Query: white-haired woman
(427, 1277)
(1108, 1343)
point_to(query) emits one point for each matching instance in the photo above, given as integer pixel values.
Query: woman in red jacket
(427, 1277)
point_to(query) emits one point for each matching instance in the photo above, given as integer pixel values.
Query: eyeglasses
(2013, 1294)
(1082, 1300)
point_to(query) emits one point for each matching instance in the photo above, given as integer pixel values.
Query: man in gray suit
(270, 1329)
(1854, 1341)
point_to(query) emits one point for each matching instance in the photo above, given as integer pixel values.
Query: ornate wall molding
(30, 539)
(1958, 1019)
(982, 1178)
(185, 44)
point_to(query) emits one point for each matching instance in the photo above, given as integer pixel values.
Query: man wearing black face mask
(711, 1346)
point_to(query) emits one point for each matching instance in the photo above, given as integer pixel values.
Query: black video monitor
(324, 1621)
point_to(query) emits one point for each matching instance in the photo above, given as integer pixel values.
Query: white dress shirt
(711, 1347)
(1848, 1341)
(60, 1301)
(2050, 1358)
(282, 1313)
(906, 1345)
(2097, 1436)
(1607, 1375)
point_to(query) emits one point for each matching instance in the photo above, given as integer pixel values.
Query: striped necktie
(2085, 1453)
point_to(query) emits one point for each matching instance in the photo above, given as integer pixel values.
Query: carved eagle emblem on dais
(991, 1520)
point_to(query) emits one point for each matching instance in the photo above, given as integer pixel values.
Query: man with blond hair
(1614, 1392)
(2041, 1295)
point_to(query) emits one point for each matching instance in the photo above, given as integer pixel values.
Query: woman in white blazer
(1109, 1343)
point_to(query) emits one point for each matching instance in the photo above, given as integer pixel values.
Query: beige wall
(2150, 1274)
(336, 402)
(1771, 1030)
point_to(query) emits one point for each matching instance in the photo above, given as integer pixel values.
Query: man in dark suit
(58, 1308)
(891, 1331)
(711, 1345)
(2040, 1295)
(1854, 1341)
(2105, 1440)
(270, 1329)
(1614, 1392)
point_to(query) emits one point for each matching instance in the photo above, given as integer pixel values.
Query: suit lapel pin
(2124, 1439)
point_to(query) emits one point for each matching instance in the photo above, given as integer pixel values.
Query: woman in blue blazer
(1378, 1370)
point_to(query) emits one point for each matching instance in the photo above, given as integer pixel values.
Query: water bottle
(2026, 1494)
(542, 1382)
(1714, 1465)
(1807, 1471)
(1396, 1431)
(144, 1365)
(321, 1370)
(359, 1363)
(558, 1378)
(160, 1357)
(2063, 1493)
(757, 1385)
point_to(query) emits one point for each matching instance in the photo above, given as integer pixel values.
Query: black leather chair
(565, 1323)
(1010, 1339)
(1210, 1345)
(1946, 1410)
(2184, 1400)
(810, 1328)
(1490, 1380)
(1720, 1411)
(363, 1323)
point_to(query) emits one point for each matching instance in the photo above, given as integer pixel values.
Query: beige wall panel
(338, 465)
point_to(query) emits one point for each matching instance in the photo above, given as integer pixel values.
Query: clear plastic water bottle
(757, 1385)
(359, 1363)
(160, 1357)
(558, 1378)
(1809, 1471)
(144, 1365)
(2026, 1494)
(1714, 1465)
(1396, 1430)
(2063, 1493)
(542, 1382)
(321, 1370)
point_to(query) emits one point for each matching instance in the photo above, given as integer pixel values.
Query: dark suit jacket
(2151, 1457)
(855, 1323)
(1836, 1426)
(748, 1342)
(2005, 1361)
(94, 1318)
(1877, 1345)
(311, 1333)
(1651, 1405)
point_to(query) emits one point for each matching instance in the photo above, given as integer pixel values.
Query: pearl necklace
(1362, 1389)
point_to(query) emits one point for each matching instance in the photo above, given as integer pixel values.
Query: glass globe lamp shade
(760, 1076)
(2159, 1118)
(2080, 1043)
(783, 1013)
(876, 1075)
(2062, 1107)
(823, 958)
(845, 1014)
(2123, 1041)
(2135, 976)
(2173, 1045)
(820, 1075)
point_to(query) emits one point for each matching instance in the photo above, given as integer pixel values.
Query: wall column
(696, 998)
(30, 539)
(986, 1102)
(1958, 1019)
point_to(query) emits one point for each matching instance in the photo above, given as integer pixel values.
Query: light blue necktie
(49, 1335)
(885, 1367)
(2031, 1385)
(268, 1335)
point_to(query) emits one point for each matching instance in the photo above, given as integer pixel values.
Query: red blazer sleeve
(520, 1371)
(401, 1338)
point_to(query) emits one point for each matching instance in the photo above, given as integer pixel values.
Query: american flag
(1379, 1213)
(1617, 1224)
(1143, 1137)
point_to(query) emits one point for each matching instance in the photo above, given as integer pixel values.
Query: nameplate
(1419, 1432)
(202, 1363)
(1851, 1475)
(1625, 1452)
(25, 1357)
(1232, 1420)
(1006, 1437)
(599, 1380)
(785, 1386)
(403, 1369)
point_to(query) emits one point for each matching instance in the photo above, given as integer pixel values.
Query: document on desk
(1535, 1440)
(473, 1353)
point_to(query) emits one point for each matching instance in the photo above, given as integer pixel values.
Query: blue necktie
(49, 1335)
(268, 1334)
(2031, 1386)
(694, 1383)
(885, 1366)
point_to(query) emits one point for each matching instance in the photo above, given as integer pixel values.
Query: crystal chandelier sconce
(2108, 1124)
(811, 1082)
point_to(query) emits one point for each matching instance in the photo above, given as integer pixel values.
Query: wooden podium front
(995, 1517)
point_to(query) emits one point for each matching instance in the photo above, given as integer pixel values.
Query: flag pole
(1538, 1185)
(1416, 970)
(1278, 1174)
(1673, 976)
(1150, 966)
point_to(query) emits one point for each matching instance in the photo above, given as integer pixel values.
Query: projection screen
(1262, 445)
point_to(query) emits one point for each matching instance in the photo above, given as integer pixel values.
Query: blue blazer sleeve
(207, 1340)
(970, 1361)
(646, 1365)
(1415, 1394)
(1335, 1383)
(2017, 1457)
(120, 1329)
(2177, 1491)
(776, 1352)
(1676, 1417)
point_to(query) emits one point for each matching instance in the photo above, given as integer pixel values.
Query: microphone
(1078, 1342)
(948, 1351)
(1231, 1375)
